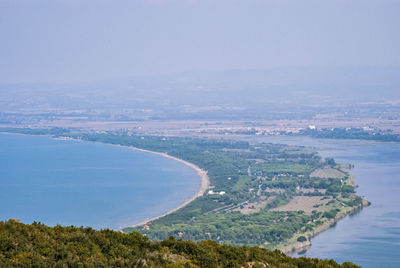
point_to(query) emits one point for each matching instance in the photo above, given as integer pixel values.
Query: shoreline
(293, 246)
(289, 248)
(205, 183)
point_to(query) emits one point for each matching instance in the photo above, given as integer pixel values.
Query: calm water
(87, 184)
(372, 237)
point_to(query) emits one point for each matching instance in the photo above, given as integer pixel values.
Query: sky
(88, 40)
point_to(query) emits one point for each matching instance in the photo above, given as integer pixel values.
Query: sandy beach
(205, 183)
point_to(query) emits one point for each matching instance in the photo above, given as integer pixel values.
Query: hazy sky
(71, 40)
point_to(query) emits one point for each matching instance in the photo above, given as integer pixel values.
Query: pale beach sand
(205, 183)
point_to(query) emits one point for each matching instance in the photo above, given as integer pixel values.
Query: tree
(330, 161)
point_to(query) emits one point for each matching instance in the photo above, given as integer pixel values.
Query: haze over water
(87, 184)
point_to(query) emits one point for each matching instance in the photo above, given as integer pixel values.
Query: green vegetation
(351, 133)
(234, 228)
(265, 176)
(301, 239)
(331, 213)
(37, 245)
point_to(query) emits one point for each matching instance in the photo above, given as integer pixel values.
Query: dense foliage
(37, 245)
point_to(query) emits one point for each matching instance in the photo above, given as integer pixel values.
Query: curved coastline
(205, 180)
(205, 183)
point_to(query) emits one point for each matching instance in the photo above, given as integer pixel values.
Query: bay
(87, 184)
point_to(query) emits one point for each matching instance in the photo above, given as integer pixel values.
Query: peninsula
(268, 195)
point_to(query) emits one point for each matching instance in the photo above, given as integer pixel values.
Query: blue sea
(86, 183)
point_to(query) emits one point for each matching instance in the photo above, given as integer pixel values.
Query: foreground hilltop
(38, 245)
